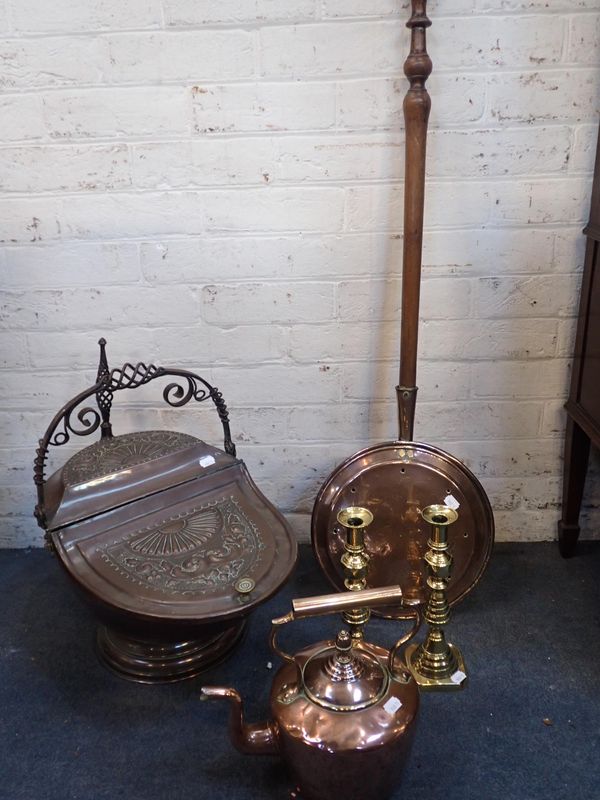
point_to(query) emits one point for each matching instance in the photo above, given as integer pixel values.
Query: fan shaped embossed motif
(121, 452)
(179, 535)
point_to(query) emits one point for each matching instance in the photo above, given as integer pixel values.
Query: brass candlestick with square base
(437, 665)
(355, 560)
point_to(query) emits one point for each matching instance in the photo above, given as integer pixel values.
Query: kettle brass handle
(331, 604)
(344, 601)
(417, 611)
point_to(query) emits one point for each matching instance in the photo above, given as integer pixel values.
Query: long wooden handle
(417, 104)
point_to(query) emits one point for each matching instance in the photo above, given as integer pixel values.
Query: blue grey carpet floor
(71, 730)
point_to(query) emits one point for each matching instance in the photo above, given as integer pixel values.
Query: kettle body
(358, 753)
(343, 712)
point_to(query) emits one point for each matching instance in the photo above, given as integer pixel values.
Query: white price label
(392, 705)
(207, 461)
(451, 502)
(458, 677)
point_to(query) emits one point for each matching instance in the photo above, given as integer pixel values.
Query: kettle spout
(256, 739)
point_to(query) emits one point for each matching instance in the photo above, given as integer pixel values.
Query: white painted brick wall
(71, 15)
(219, 184)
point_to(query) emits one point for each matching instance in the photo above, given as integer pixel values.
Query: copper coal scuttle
(166, 536)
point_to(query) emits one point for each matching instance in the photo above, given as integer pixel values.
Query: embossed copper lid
(210, 546)
(119, 469)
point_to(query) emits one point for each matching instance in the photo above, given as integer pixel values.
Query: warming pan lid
(210, 548)
(395, 481)
(117, 470)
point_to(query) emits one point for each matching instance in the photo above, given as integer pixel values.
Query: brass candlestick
(437, 665)
(355, 561)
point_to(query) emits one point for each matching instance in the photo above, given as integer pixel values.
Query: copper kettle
(342, 711)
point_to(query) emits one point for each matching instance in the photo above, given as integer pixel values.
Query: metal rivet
(245, 585)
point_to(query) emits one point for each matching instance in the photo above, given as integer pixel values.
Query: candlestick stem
(437, 665)
(355, 560)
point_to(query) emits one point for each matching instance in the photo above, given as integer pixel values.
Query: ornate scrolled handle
(189, 386)
(58, 433)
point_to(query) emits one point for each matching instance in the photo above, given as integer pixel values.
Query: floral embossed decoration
(198, 551)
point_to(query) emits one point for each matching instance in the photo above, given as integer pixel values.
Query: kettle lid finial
(343, 641)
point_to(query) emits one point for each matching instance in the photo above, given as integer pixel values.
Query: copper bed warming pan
(396, 479)
(167, 537)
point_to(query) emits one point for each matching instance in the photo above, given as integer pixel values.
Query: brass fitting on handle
(437, 665)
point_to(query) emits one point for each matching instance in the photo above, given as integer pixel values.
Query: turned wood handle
(416, 106)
